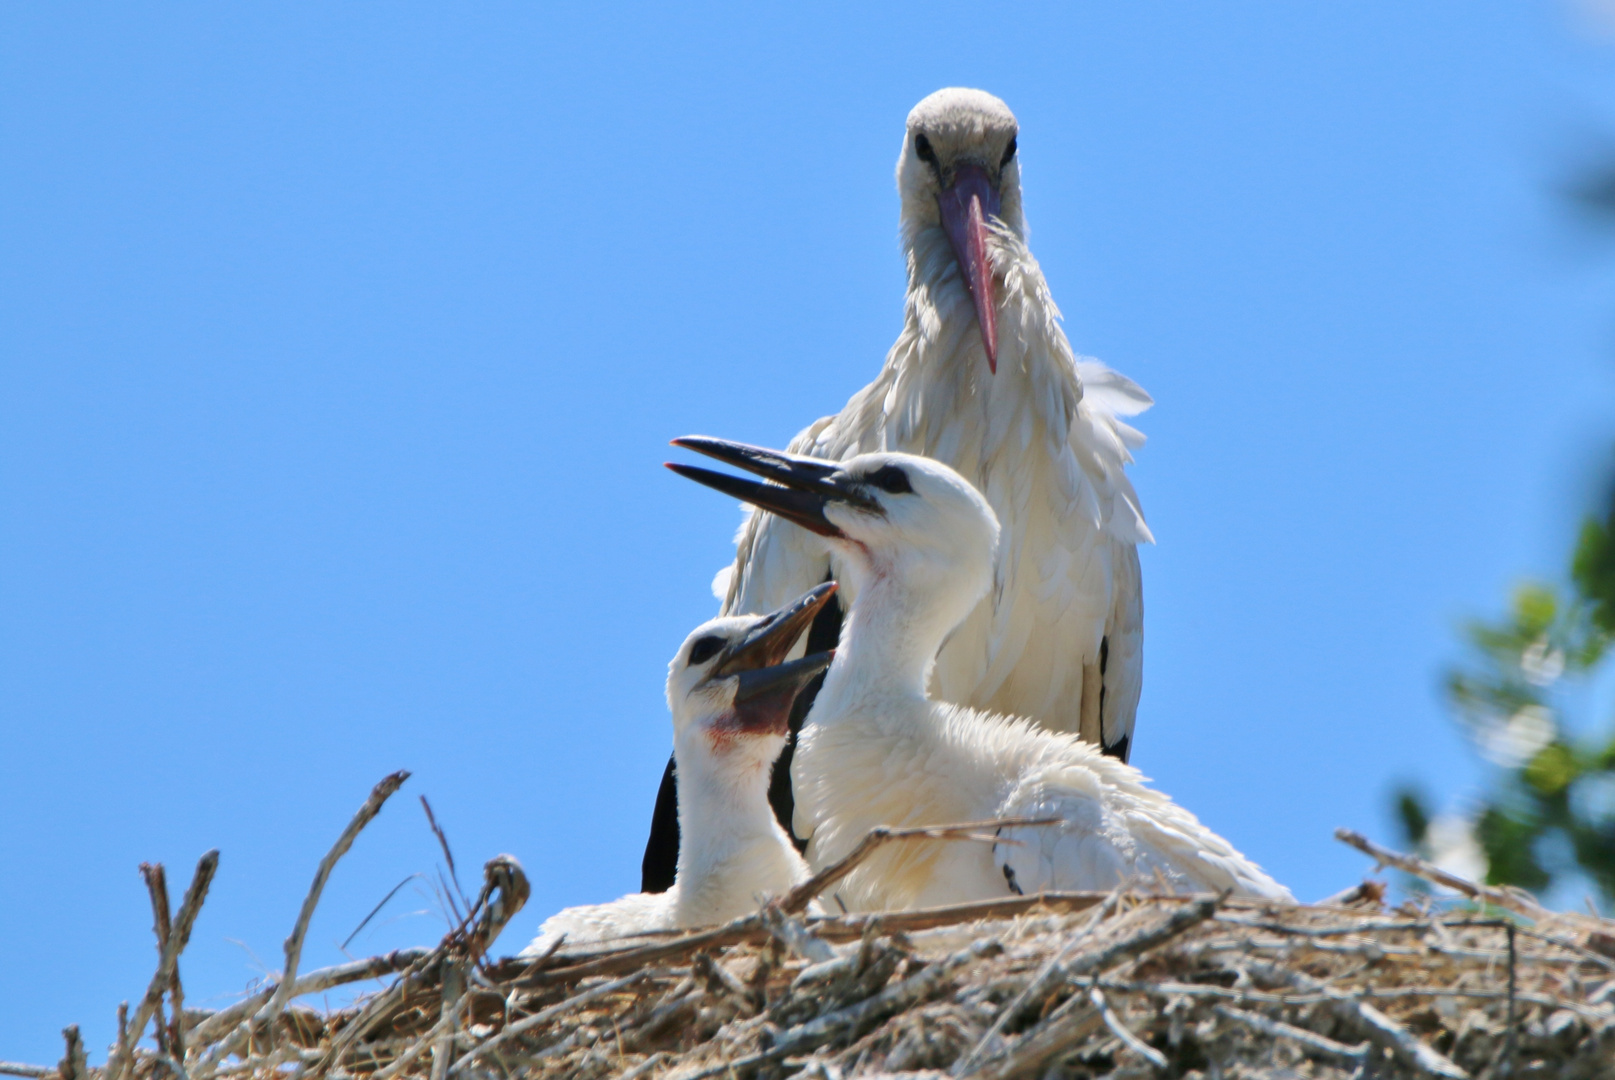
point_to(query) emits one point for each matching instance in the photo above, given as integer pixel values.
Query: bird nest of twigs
(1128, 984)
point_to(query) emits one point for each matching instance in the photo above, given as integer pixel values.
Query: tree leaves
(1548, 812)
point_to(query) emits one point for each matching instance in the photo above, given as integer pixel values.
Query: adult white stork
(983, 379)
(913, 544)
(730, 693)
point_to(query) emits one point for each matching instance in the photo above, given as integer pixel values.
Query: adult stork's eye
(922, 148)
(1009, 153)
(890, 479)
(705, 649)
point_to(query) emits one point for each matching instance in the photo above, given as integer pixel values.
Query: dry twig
(1015, 987)
(294, 942)
(1509, 899)
(179, 935)
(979, 831)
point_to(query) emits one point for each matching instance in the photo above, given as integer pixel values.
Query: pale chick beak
(966, 205)
(764, 696)
(766, 684)
(775, 635)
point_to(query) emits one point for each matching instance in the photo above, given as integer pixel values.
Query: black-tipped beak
(772, 639)
(802, 486)
(764, 696)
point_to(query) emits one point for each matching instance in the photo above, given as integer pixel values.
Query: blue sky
(340, 346)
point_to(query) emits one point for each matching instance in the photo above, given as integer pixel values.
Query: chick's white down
(1058, 638)
(734, 853)
(878, 749)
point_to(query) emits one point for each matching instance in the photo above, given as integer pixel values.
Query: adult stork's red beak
(966, 205)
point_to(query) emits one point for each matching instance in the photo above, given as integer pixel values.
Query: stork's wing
(1060, 638)
(1121, 653)
(1114, 830)
(1103, 444)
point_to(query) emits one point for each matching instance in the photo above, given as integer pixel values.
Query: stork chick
(730, 695)
(914, 543)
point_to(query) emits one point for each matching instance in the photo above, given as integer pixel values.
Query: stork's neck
(889, 641)
(723, 805)
(943, 398)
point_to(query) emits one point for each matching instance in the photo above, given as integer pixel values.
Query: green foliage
(1593, 570)
(1510, 845)
(1410, 812)
(1551, 808)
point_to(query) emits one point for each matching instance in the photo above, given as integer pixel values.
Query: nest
(1127, 984)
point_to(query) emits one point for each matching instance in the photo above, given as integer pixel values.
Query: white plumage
(1059, 636)
(730, 700)
(914, 545)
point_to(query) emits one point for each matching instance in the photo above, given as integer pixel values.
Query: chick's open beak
(771, 640)
(765, 687)
(764, 697)
(802, 486)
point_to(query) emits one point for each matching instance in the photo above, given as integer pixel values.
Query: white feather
(878, 749)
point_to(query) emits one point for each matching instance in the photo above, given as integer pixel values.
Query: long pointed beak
(772, 639)
(801, 488)
(966, 205)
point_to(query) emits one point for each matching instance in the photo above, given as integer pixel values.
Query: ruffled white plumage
(877, 749)
(894, 762)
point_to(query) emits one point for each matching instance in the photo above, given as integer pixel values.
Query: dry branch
(1378, 1027)
(173, 1038)
(979, 831)
(1064, 1028)
(1061, 970)
(73, 1065)
(544, 1016)
(1280, 1029)
(1123, 1032)
(566, 966)
(1508, 899)
(312, 983)
(294, 942)
(179, 934)
(1020, 987)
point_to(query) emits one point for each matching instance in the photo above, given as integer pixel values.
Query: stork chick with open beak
(730, 689)
(913, 542)
(983, 379)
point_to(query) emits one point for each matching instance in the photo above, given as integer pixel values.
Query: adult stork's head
(957, 172)
(729, 686)
(908, 521)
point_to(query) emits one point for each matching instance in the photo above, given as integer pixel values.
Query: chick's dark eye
(1009, 153)
(890, 479)
(922, 148)
(705, 649)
